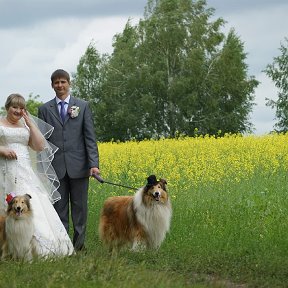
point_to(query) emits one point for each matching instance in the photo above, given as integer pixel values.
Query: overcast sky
(39, 36)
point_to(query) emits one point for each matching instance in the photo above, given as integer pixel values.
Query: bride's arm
(36, 140)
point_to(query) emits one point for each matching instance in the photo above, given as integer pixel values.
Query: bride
(25, 167)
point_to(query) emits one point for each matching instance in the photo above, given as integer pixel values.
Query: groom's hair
(60, 73)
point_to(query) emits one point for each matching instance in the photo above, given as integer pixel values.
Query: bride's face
(15, 113)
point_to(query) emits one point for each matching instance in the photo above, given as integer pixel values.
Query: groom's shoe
(80, 249)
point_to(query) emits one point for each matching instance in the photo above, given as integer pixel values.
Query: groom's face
(61, 87)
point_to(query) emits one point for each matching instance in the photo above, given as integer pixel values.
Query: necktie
(62, 110)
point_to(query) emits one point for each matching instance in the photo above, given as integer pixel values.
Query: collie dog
(17, 229)
(140, 221)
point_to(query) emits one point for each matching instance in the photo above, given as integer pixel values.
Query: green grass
(221, 236)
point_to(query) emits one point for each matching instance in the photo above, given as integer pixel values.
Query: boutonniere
(10, 197)
(74, 111)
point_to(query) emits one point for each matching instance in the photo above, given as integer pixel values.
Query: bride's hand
(8, 153)
(27, 118)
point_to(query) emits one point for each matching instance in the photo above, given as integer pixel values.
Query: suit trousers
(74, 191)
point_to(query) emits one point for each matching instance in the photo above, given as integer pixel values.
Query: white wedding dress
(18, 176)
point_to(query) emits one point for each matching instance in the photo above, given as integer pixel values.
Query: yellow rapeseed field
(188, 161)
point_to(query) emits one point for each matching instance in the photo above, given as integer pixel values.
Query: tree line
(174, 73)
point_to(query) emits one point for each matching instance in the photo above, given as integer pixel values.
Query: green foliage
(87, 82)
(122, 109)
(230, 89)
(2, 111)
(32, 104)
(172, 73)
(278, 72)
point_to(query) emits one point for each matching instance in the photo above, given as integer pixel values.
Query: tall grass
(229, 225)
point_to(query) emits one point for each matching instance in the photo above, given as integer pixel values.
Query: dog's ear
(10, 205)
(163, 183)
(28, 195)
(151, 180)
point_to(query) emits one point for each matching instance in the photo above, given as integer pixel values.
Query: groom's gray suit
(77, 153)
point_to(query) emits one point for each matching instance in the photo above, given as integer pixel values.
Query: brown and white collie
(140, 221)
(17, 230)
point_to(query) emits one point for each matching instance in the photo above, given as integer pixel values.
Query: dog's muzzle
(18, 211)
(157, 195)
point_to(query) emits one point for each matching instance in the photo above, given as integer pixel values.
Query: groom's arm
(90, 139)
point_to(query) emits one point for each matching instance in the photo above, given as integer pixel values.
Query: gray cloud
(19, 13)
(15, 13)
(225, 7)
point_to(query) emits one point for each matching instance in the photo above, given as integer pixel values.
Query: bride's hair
(15, 99)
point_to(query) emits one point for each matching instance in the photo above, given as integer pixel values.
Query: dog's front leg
(138, 246)
(4, 249)
(32, 253)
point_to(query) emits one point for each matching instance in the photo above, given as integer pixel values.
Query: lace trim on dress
(43, 161)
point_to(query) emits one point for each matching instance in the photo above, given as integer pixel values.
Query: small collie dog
(140, 221)
(17, 229)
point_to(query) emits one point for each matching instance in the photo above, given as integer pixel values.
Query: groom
(77, 157)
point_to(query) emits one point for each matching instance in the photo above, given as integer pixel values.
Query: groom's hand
(94, 171)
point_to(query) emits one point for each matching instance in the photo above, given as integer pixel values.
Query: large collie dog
(139, 221)
(17, 229)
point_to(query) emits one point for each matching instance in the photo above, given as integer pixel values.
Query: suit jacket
(75, 138)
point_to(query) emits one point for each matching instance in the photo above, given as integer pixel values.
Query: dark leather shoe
(80, 249)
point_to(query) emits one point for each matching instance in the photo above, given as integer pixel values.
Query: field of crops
(189, 163)
(229, 225)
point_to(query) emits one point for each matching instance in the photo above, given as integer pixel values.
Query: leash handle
(97, 177)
